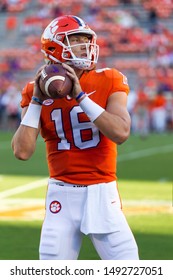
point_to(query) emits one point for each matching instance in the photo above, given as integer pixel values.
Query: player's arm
(24, 140)
(115, 121)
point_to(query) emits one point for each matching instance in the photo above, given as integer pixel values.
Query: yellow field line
(34, 209)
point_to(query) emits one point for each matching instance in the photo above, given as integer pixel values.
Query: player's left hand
(37, 92)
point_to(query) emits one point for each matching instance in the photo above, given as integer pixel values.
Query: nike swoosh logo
(91, 92)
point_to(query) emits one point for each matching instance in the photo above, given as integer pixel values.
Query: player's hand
(37, 92)
(76, 85)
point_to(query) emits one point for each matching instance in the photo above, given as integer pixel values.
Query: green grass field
(145, 183)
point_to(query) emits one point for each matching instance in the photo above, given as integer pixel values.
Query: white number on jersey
(77, 128)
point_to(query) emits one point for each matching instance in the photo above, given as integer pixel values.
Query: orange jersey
(77, 152)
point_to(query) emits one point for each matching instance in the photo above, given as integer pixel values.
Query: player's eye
(75, 39)
(51, 49)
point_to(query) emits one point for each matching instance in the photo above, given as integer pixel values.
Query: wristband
(32, 116)
(36, 99)
(90, 108)
(80, 95)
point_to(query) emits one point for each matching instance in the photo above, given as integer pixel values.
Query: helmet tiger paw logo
(55, 206)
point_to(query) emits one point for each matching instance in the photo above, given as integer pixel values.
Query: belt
(63, 184)
(71, 185)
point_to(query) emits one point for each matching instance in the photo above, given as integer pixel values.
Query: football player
(81, 134)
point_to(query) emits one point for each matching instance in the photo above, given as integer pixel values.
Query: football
(54, 81)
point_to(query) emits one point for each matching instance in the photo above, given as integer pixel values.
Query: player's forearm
(24, 142)
(114, 127)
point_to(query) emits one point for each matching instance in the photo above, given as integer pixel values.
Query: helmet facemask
(91, 49)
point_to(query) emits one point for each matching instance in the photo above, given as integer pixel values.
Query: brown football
(54, 81)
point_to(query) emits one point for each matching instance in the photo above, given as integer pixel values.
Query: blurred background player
(81, 132)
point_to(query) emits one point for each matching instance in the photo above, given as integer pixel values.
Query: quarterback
(81, 133)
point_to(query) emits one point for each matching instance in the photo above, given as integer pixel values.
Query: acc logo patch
(55, 207)
(48, 102)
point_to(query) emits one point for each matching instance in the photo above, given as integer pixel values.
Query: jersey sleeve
(119, 80)
(27, 93)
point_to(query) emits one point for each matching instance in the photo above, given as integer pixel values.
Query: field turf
(145, 184)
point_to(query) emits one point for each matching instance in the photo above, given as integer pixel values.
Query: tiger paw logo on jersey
(55, 207)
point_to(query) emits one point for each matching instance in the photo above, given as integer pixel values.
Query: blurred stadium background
(136, 37)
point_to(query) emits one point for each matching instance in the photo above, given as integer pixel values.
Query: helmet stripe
(80, 21)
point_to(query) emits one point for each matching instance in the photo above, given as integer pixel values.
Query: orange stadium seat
(11, 22)
(19, 6)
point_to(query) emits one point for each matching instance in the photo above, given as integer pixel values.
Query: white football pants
(74, 210)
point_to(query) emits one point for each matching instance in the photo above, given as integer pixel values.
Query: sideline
(24, 188)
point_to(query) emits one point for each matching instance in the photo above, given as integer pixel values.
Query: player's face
(77, 43)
